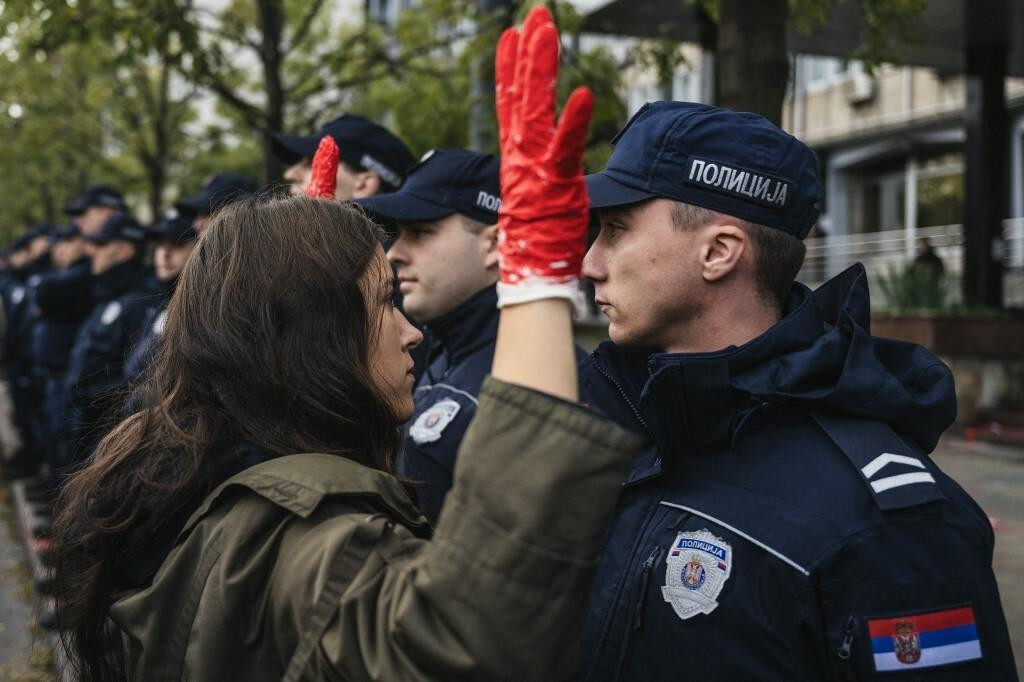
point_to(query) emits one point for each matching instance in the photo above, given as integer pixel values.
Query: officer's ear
(489, 237)
(722, 246)
(367, 184)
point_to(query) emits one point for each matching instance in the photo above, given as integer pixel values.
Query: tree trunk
(753, 64)
(272, 24)
(161, 142)
(495, 16)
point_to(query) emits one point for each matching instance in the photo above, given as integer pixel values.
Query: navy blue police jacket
(18, 315)
(141, 354)
(61, 300)
(122, 297)
(785, 522)
(446, 396)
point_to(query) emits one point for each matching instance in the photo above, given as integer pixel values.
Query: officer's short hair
(778, 255)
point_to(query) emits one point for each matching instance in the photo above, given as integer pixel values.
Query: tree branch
(302, 32)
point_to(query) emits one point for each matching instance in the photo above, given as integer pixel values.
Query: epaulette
(897, 477)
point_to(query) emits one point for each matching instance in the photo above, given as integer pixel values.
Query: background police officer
(786, 522)
(96, 205)
(175, 237)
(446, 264)
(30, 261)
(373, 159)
(121, 298)
(217, 191)
(61, 299)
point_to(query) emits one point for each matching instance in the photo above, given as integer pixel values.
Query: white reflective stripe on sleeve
(883, 484)
(875, 465)
(723, 524)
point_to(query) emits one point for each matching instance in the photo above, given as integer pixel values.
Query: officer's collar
(469, 326)
(81, 262)
(117, 280)
(163, 288)
(692, 401)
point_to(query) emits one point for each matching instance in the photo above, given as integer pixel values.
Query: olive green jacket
(315, 567)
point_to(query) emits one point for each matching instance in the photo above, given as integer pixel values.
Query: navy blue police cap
(217, 191)
(63, 233)
(176, 227)
(362, 144)
(740, 164)
(444, 182)
(119, 226)
(27, 236)
(96, 195)
(40, 230)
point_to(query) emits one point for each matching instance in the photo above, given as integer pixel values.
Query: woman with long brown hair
(197, 543)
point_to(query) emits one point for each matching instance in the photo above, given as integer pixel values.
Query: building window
(824, 72)
(878, 193)
(940, 191)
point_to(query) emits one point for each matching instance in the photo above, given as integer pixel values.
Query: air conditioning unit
(858, 88)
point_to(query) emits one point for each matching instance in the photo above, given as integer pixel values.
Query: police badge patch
(428, 426)
(160, 322)
(698, 566)
(111, 312)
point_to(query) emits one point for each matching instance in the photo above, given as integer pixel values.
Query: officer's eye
(613, 229)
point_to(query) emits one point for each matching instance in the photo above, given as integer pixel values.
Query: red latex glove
(324, 178)
(544, 206)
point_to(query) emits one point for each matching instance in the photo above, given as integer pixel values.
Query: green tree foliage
(127, 56)
(107, 90)
(752, 52)
(50, 145)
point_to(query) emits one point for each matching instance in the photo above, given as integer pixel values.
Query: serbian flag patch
(924, 640)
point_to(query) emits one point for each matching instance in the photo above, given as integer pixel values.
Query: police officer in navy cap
(373, 159)
(786, 522)
(121, 298)
(175, 237)
(217, 191)
(96, 205)
(61, 299)
(30, 260)
(446, 265)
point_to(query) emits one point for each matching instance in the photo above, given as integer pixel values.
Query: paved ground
(23, 657)
(994, 477)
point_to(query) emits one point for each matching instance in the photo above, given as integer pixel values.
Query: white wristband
(536, 289)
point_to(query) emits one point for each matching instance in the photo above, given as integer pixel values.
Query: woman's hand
(543, 220)
(323, 179)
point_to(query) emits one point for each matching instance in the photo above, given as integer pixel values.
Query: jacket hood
(820, 356)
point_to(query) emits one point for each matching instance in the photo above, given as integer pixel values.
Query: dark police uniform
(62, 299)
(785, 521)
(175, 228)
(152, 327)
(122, 296)
(18, 351)
(446, 396)
(446, 181)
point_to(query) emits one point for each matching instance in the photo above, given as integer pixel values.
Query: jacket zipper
(645, 579)
(844, 650)
(602, 644)
(622, 392)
